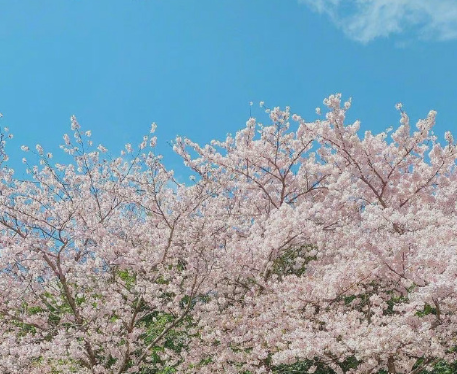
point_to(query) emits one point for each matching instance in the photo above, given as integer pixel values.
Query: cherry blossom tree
(91, 253)
(341, 249)
(298, 242)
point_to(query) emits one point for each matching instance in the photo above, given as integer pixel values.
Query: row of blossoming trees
(298, 242)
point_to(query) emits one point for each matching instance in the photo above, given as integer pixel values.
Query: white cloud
(365, 20)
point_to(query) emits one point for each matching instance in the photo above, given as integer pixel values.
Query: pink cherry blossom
(293, 241)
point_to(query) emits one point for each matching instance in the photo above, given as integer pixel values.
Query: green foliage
(128, 278)
(302, 367)
(293, 261)
(428, 309)
(442, 367)
(394, 300)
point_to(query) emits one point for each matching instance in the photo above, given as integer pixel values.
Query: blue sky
(194, 66)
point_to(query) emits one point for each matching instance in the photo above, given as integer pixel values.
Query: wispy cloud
(365, 20)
